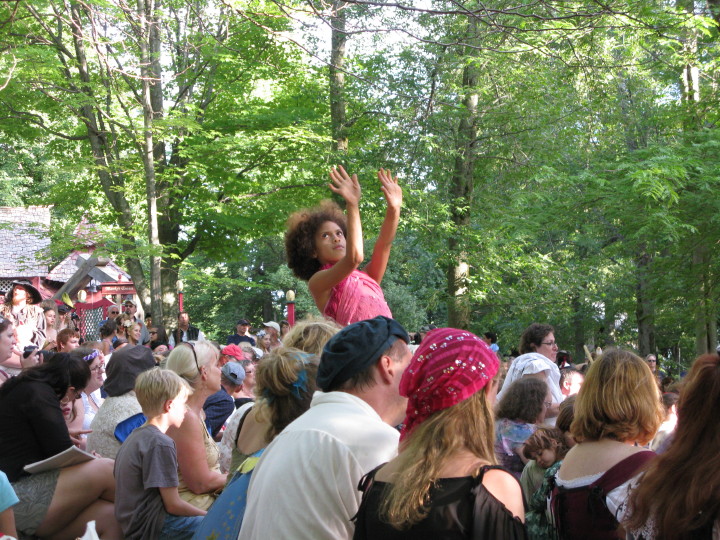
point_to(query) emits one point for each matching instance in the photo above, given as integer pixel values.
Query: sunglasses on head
(192, 347)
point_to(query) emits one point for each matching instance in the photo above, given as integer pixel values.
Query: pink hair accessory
(449, 366)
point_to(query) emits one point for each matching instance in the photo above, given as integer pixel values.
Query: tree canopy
(558, 158)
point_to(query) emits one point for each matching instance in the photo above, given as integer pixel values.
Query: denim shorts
(179, 527)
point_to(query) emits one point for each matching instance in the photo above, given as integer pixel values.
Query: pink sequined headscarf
(449, 366)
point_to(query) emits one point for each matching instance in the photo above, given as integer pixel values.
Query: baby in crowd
(148, 504)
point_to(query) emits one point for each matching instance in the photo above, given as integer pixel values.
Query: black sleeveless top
(450, 517)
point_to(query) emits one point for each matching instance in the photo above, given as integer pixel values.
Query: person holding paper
(55, 503)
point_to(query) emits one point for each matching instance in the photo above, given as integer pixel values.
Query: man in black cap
(305, 485)
(242, 334)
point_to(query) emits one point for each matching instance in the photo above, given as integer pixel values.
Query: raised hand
(344, 185)
(390, 188)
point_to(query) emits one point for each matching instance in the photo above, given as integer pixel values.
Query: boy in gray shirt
(147, 503)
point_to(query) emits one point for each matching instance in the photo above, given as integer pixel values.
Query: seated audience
(667, 428)
(286, 384)
(538, 352)
(148, 503)
(349, 424)
(134, 333)
(677, 496)
(67, 340)
(521, 409)
(56, 503)
(570, 381)
(8, 341)
(84, 409)
(547, 448)
(445, 482)
(242, 334)
(158, 339)
(219, 406)
(8, 499)
(121, 403)
(617, 412)
(200, 479)
(309, 335)
(108, 335)
(50, 312)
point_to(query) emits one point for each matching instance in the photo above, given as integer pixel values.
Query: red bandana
(449, 366)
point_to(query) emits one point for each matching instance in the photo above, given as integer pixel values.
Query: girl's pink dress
(356, 298)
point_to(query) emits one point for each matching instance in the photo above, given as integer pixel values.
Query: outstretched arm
(381, 253)
(322, 282)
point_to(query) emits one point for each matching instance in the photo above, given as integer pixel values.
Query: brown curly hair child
(325, 248)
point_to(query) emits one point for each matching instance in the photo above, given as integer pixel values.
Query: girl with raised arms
(325, 248)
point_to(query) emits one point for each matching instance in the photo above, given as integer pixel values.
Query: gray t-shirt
(147, 460)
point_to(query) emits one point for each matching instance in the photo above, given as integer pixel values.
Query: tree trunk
(705, 305)
(111, 180)
(149, 39)
(461, 191)
(578, 328)
(645, 309)
(338, 117)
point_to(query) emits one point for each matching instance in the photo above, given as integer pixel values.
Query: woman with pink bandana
(445, 482)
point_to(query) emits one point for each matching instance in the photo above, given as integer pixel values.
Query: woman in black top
(444, 483)
(58, 502)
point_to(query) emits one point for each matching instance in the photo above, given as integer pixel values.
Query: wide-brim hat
(34, 293)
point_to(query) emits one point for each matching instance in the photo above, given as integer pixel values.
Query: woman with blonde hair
(678, 496)
(134, 333)
(617, 412)
(200, 479)
(445, 482)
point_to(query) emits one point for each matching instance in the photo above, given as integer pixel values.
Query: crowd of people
(344, 427)
(348, 433)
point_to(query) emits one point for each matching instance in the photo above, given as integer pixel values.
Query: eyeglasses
(99, 368)
(192, 347)
(153, 332)
(549, 343)
(114, 312)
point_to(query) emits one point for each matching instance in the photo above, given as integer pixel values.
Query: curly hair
(300, 236)
(523, 401)
(543, 439)
(533, 336)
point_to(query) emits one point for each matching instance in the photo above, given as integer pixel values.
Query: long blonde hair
(469, 425)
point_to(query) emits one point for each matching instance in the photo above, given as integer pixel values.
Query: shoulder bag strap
(240, 425)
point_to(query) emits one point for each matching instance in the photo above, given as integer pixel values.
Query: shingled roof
(24, 241)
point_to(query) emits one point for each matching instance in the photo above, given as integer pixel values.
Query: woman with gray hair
(200, 478)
